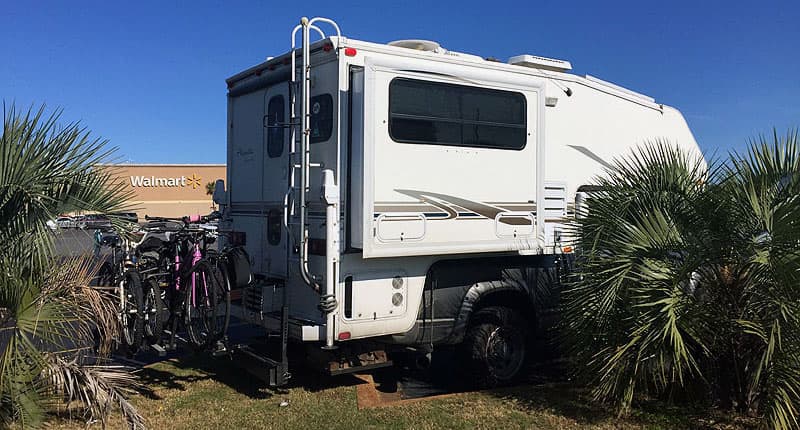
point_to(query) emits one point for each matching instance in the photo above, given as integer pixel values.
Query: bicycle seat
(110, 240)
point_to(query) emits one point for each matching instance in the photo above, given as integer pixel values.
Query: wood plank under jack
(368, 396)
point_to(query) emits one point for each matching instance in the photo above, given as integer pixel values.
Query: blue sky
(149, 76)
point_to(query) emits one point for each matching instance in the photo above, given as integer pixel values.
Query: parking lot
(74, 242)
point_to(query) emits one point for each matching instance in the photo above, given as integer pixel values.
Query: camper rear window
(321, 120)
(445, 114)
(275, 130)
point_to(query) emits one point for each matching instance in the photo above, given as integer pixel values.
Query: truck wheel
(496, 346)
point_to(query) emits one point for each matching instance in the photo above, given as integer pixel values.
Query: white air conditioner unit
(544, 63)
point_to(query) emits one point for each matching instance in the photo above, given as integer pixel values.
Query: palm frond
(98, 389)
(50, 317)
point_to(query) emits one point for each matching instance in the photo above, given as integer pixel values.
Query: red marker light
(327, 47)
(344, 335)
(350, 52)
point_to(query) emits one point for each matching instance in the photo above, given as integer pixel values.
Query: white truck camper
(405, 197)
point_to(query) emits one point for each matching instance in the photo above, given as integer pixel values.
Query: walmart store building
(169, 190)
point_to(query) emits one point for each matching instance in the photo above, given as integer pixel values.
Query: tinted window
(274, 224)
(275, 128)
(445, 114)
(321, 122)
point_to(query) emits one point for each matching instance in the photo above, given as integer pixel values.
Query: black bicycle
(120, 275)
(197, 289)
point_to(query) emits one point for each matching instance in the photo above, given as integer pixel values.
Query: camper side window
(321, 120)
(275, 130)
(446, 114)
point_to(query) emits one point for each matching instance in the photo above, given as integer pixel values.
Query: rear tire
(153, 311)
(496, 346)
(207, 316)
(132, 312)
(105, 275)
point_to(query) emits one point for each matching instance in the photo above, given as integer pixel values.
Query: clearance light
(350, 52)
(327, 47)
(567, 249)
(344, 335)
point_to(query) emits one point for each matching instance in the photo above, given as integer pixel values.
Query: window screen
(321, 121)
(446, 114)
(275, 126)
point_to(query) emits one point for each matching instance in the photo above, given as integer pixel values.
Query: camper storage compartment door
(451, 158)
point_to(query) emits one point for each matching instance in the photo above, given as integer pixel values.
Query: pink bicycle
(198, 290)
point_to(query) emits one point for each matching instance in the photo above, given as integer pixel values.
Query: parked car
(94, 221)
(65, 222)
(52, 225)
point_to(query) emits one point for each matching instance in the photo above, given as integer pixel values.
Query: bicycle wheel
(207, 303)
(153, 311)
(105, 275)
(131, 311)
(222, 298)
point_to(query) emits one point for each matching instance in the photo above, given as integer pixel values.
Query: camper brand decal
(173, 182)
(436, 206)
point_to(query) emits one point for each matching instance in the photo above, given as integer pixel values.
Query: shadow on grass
(192, 368)
(548, 389)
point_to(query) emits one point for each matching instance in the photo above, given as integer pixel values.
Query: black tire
(223, 298)
(496, 346)
(154, 311)
(105, 275)
(132, 312)
(206, 314)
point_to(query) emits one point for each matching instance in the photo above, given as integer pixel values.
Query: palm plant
(49, 315)
(687, 282)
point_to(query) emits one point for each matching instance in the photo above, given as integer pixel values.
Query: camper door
(450, 159)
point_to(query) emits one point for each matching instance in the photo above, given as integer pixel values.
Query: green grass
(197, 393)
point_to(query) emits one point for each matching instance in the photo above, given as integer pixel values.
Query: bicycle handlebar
(188, 219)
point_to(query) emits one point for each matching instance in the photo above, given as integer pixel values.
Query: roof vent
(543, 63)
(419, 45)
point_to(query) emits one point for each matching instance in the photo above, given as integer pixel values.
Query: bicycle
(198, 286)
(120, 274)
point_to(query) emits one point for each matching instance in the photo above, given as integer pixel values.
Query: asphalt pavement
(74, 242)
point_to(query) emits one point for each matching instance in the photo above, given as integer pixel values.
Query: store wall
(169, 190)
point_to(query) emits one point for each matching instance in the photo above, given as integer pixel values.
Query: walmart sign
(154, 181)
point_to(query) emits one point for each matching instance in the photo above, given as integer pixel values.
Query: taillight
(237, 238)
(344, 335)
